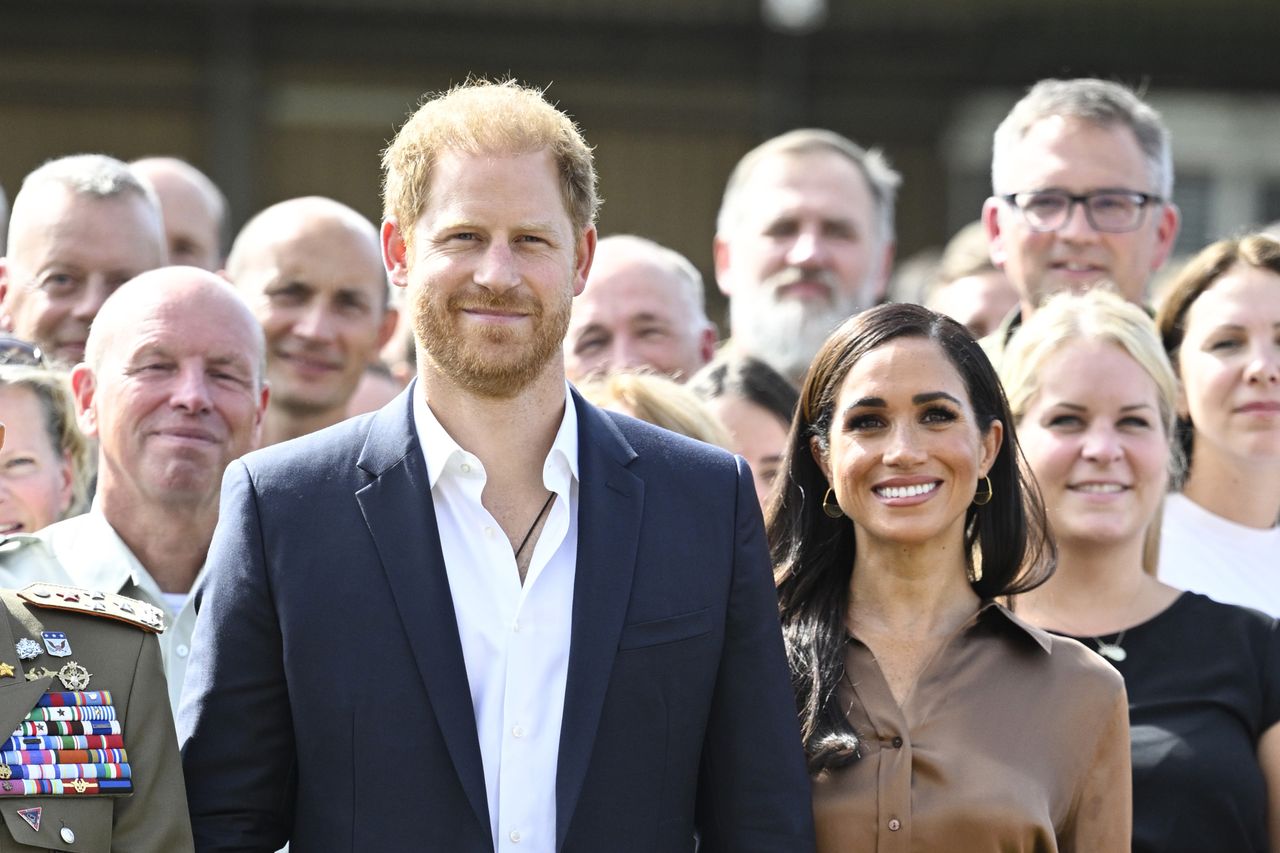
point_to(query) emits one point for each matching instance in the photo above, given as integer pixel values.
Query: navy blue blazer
(327, 703)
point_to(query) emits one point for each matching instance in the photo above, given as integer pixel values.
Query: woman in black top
(1094, 399)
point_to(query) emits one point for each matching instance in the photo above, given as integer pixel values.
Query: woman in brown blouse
(933, 718)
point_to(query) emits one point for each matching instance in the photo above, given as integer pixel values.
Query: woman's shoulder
(1069, 661)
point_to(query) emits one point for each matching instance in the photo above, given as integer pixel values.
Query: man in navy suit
(490, 616)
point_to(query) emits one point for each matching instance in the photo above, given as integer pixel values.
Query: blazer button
(895, 825)
(897, 743)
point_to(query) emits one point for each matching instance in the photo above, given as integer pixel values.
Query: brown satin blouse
(1011, 740)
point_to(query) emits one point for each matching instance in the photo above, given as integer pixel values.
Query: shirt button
(897, 743)
(466, 469)
(518, 731)
(182, 651)
(488, 531)
(514, 836)
(895, 825)
(515, 626)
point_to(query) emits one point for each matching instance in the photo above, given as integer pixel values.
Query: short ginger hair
(486, 117)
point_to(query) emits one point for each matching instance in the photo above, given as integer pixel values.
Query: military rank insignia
(71, 743)
(75, 600)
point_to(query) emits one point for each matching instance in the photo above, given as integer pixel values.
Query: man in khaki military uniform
(172, 389)
(67, 653)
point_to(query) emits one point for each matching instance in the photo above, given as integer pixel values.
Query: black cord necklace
(536, 519)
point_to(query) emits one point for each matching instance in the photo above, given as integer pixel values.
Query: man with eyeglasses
(1082, 179)
(81, 226)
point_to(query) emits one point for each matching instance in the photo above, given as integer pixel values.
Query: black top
(1204, 685)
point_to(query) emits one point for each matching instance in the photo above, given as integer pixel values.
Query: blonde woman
(44, 468)
(1094, 398)
(657, 400)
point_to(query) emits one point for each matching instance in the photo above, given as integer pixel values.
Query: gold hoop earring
(830, 507)
(982, 498)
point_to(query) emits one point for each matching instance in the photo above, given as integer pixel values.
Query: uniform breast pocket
(669, 629)
(56, 823)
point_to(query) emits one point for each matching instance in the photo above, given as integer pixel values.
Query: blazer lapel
(610, 502)
(398, 509)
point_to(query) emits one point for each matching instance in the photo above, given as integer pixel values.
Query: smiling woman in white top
(1220, 324)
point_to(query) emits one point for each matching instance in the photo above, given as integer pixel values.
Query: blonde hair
(486, 117)
(1098, 315)
(53, 392)
(658, 400)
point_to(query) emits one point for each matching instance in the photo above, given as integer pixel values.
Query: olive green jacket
(125, 660)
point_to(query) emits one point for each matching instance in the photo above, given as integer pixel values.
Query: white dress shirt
(515, 637)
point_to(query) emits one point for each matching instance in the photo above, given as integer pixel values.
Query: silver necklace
(1113, 650)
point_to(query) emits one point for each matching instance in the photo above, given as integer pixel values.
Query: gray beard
(785, 334)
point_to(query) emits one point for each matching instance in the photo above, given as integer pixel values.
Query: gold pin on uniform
(38, 673)
(6, 670)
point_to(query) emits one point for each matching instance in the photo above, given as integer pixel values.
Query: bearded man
(490, 616)
(804, 240)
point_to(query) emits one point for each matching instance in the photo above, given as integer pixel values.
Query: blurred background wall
(279, 98)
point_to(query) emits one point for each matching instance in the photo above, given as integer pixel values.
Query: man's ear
(720, 255)
(584, 253)
(707, 343)
(260, 416)
(1166, 233)
(6, 318)
(395, 252)
(84, 388)
(995, 238)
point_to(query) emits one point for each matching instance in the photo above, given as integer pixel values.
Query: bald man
(80, 227)
(193, 208)
(172, 388)
(311, 270)
(643, 307)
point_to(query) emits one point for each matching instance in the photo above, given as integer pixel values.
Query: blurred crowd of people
(1022, 515)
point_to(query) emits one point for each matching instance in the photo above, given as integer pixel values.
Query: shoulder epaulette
(108, 605)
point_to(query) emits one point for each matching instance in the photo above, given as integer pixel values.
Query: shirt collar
(94, 554)
(993, 612)
(440, 448)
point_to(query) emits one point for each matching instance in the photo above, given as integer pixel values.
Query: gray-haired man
(804, 239)
(81, 226)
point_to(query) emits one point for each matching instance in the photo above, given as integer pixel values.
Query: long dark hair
(813, 554)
